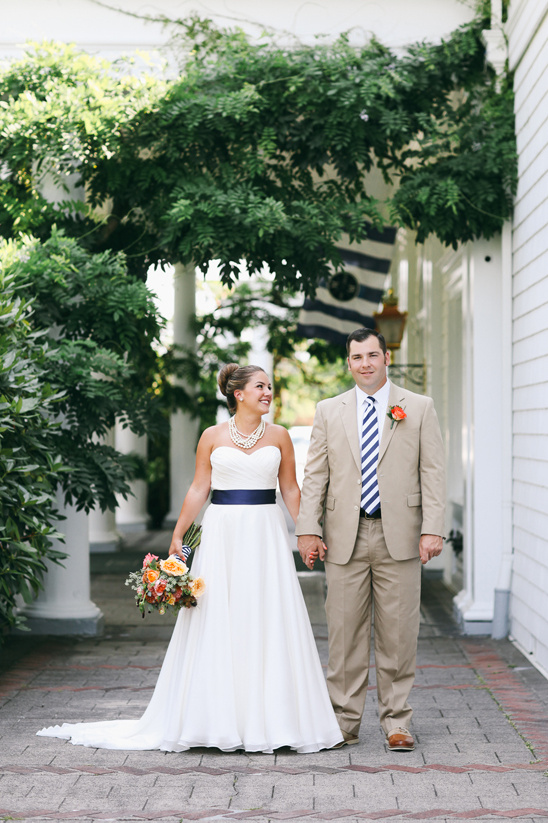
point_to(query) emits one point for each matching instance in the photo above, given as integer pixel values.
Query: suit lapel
(395, 398)
(349, 419)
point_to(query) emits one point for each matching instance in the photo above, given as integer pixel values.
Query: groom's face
(368, 363)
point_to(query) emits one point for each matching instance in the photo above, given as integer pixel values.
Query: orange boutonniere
(396, 413)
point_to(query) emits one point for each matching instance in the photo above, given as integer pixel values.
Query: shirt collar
(381, 396)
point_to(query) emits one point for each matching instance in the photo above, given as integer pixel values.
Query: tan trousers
(372, 577)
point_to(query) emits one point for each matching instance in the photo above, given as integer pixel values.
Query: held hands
(310, 548)
(430, 546)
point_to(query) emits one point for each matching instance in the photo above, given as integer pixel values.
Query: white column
(501, 616)
(495, 40)
(184, 427)
(64, 606)
(131, 514)
(433, 357)
(453, 274)
(486, 451)
(258, 353)
(103, 536)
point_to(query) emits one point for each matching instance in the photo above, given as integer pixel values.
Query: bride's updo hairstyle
(235, 378)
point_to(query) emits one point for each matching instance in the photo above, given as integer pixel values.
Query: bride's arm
(286, 475)
(197, 493)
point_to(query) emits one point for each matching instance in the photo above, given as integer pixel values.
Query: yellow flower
(171, 600)
(197, 587)
(174, 566)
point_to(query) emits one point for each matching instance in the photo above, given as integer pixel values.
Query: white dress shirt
(381, 406)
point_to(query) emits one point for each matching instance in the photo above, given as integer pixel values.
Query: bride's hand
(177, 548)
(314, 554)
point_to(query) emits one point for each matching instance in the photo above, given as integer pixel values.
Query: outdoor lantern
(390, 322)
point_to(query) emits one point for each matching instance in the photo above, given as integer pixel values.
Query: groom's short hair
(359, 335)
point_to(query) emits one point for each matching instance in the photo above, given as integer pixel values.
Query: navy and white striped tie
(370, 456)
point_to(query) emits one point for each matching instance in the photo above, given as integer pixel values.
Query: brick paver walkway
(481, 726)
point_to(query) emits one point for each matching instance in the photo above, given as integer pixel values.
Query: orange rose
(395, 413)
(151, 575)
(197, 587)
(174, 566)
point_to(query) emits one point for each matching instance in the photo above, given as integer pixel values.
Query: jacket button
(355, 508)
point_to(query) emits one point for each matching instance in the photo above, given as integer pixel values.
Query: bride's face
(257, 395)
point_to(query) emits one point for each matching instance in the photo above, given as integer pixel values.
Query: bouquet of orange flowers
(167, 585)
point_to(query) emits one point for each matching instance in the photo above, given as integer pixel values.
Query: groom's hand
(430, 545)
(310, 547)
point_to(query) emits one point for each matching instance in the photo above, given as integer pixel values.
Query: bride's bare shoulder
(279, 434)
(213, 434)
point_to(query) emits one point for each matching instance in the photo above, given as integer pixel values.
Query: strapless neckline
(258, 470)
(246, 454)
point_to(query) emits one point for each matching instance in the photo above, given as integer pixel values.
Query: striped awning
(347, 300)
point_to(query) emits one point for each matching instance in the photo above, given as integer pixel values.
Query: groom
(374, 490)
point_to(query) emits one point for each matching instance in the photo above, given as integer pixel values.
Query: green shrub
(29, 468)
(76, 353)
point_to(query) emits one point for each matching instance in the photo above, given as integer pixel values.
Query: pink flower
(149, 559)
(160, 586)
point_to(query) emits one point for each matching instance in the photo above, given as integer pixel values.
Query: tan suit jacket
(411, 475)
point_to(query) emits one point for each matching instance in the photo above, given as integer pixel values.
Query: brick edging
(523, 710)
(289, 770)
(273, 814)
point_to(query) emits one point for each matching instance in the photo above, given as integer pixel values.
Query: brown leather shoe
(348, 740)
(400, 740)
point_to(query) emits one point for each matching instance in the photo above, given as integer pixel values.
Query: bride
(241, 670)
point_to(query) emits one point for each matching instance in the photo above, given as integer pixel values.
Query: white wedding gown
(241, 670)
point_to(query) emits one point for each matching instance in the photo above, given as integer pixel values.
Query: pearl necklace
(245, 441)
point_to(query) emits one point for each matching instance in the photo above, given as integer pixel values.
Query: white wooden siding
(524, 18)
(528, 44)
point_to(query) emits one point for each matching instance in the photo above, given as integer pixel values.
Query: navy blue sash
(243, 497)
